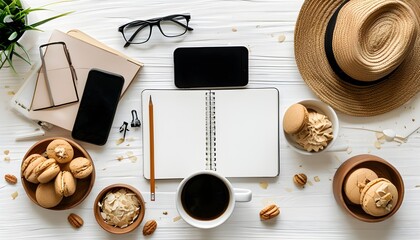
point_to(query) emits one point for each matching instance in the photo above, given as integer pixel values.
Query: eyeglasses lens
(137, 32)
(174, 27)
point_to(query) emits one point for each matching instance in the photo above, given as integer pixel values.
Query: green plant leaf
(23, 58)
(8, 19)
(4, 60)
(9, 60)
(2, 3)
(24, 50)
(8, 54)
(7, 10)
(13, 36)
(29, 28)
(12, 5)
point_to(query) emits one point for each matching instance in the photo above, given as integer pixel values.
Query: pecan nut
(269, 212)
(10, 178)
(300, 179)
(75, 220)
(149, 227)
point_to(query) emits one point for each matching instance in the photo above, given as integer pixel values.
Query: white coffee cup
(216, 195)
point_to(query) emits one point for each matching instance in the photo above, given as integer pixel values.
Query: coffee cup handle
(242, 195)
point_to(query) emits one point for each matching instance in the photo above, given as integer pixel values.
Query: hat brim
(354, 100)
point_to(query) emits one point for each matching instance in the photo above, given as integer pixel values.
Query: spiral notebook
(232, 131)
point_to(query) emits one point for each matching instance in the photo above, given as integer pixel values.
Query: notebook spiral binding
(207, 131)
(213, 130)
(210, 131)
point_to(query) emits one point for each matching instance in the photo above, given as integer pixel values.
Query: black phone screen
(97, 107)
(211, 66)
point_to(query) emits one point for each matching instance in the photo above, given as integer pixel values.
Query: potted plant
(13, 25)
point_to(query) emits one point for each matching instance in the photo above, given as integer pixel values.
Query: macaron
(65, 184)
(46, 196)
(29, 165)
(295, 118)
(356, 182)
(47, 170)
(81, 167)
(379, 197)
(60, 150)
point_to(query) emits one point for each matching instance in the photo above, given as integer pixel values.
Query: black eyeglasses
(139, 31)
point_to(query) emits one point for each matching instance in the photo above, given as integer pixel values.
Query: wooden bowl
(112, 229)
(382, 168)
(83, 187)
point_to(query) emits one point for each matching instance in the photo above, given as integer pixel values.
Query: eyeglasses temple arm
(186, 26)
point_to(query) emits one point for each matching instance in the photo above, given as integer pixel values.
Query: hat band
(330, 53)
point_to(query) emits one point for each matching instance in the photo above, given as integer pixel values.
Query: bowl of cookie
(57, 173)
(368, 188)
(310, 126)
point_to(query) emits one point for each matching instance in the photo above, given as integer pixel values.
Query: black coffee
(205, 197)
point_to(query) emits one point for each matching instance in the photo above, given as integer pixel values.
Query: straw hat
(362, 57)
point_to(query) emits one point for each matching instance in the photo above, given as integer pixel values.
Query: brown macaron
(47, 170)
(81, 167)
(356, 182)
(29, 165)
(65, 184)
(295, 118)
(60, 150)
(46, 196)
(379, 197)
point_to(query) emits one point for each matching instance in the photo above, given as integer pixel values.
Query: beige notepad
(86, 53)
(234, 132)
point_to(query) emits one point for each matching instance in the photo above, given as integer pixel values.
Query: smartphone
(211, 67)
(97, 107)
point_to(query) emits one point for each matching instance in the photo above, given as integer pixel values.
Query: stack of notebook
(85, 53)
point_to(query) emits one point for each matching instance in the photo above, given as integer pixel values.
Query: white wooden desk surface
(309, 213)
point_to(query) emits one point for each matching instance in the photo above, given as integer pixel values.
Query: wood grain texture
(260, 25)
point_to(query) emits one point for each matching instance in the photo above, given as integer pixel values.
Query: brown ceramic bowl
(382, 168)
(112, 229)
(83, 186)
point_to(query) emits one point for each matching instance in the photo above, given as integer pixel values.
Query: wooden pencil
(152, 151)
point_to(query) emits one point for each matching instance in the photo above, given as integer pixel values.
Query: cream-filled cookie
(29, 165)
(46, 196)
(356, 182)
(47, 170)
(295, 118)
(81, 167)
(379, 197)
(65, 184)
(60, 150)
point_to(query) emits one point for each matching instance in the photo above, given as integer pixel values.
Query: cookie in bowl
(310, 126)
(368, 188)
(40, 175)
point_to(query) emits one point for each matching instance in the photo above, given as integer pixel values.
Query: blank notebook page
(179, 132)
(247, 132)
